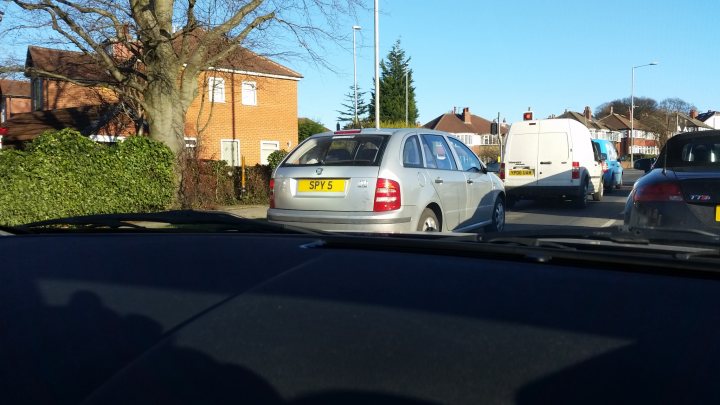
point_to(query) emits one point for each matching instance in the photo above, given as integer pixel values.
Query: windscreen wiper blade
(165, 221)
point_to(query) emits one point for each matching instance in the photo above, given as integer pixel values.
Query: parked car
(644, 164)
(613, 174)
(386, 180)
(683, 188)
(552, 158)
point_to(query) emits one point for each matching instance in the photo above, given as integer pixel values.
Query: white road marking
(610, 222)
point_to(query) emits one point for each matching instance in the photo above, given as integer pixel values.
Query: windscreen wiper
(165, 221)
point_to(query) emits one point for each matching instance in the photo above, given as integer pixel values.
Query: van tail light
(272, 193)
(605, 166)
(387, 195)
(576, 170)
(666, 191)
(502, 171)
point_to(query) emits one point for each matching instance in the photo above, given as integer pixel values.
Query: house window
(216, 89)
(249, 93)
(37, 99)
(230, 151)
(266, 148)
(190, 142)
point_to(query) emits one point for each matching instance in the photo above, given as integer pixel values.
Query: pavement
(246, 211)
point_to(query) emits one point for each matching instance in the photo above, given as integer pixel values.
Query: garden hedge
(63, 173)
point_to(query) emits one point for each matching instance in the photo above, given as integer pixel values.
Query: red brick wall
(15, 105)
(60, 94)
(274, 118)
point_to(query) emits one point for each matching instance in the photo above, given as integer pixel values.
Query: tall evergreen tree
(347, 114)
(392, 89)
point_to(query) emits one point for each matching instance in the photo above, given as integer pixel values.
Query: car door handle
(470, 181)
(438, 180)
(546, 163)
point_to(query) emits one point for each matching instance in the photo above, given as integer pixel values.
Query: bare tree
(168, 43)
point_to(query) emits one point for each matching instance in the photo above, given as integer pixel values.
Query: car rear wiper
(165, 221)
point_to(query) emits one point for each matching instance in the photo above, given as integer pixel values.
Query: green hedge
(64, 174)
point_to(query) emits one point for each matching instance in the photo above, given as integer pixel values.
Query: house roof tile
(84, 67)
(455, 124)
(27, 126)
(15, 88)
(71, 64)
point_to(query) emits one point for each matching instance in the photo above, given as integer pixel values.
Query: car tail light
(387, 195)
(605, 166)
(576, 170)
(502, 171)
(658, 192)
(272, 193)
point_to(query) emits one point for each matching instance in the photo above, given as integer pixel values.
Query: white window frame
(249, 93)
(263, 159)
(236, 151)
(190, 142)
(216, 89)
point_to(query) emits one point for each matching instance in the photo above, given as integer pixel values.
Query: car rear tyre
(498, 217)
(598, 195)
(428, 221)
(581, 201)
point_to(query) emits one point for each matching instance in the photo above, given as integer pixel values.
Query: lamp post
(632, 111)
(377, 66)
(355, 28)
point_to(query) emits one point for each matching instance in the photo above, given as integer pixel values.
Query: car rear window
(693, 152)
(339, 150)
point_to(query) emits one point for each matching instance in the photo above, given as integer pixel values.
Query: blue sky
(552, 55)
(504, 56)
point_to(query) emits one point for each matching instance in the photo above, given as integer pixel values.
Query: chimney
(693, 113)
(611, 110)
(587, 113)
(466, 115)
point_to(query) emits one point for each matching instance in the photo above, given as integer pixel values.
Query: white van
(552, 158)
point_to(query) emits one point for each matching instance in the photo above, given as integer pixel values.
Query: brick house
(598, 130)
(644, 141)
(473, 130)
(14, 98)
(245, 107)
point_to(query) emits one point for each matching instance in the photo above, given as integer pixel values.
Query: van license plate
(523, 172)
(321, 186)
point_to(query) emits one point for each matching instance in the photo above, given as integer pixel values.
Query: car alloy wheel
(498, 217)
(428, 221)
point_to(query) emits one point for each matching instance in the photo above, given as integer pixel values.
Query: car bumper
(672, 215)
(402, 220)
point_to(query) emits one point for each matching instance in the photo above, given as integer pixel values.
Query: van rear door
(554, 166)
(521, 158)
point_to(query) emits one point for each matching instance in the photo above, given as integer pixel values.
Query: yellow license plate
(321, 185)
(523, 172)
(717, 213)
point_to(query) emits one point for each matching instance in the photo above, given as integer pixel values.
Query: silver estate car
(386, 180)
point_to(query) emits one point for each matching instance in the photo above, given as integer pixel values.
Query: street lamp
(377, 66)
(632, 112)
(355, 28)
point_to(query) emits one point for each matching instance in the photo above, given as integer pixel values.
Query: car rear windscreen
(698, 151)
(339, 150)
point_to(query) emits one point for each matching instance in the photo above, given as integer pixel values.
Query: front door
(448, 181)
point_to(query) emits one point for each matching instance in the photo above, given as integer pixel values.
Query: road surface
(536, 215)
